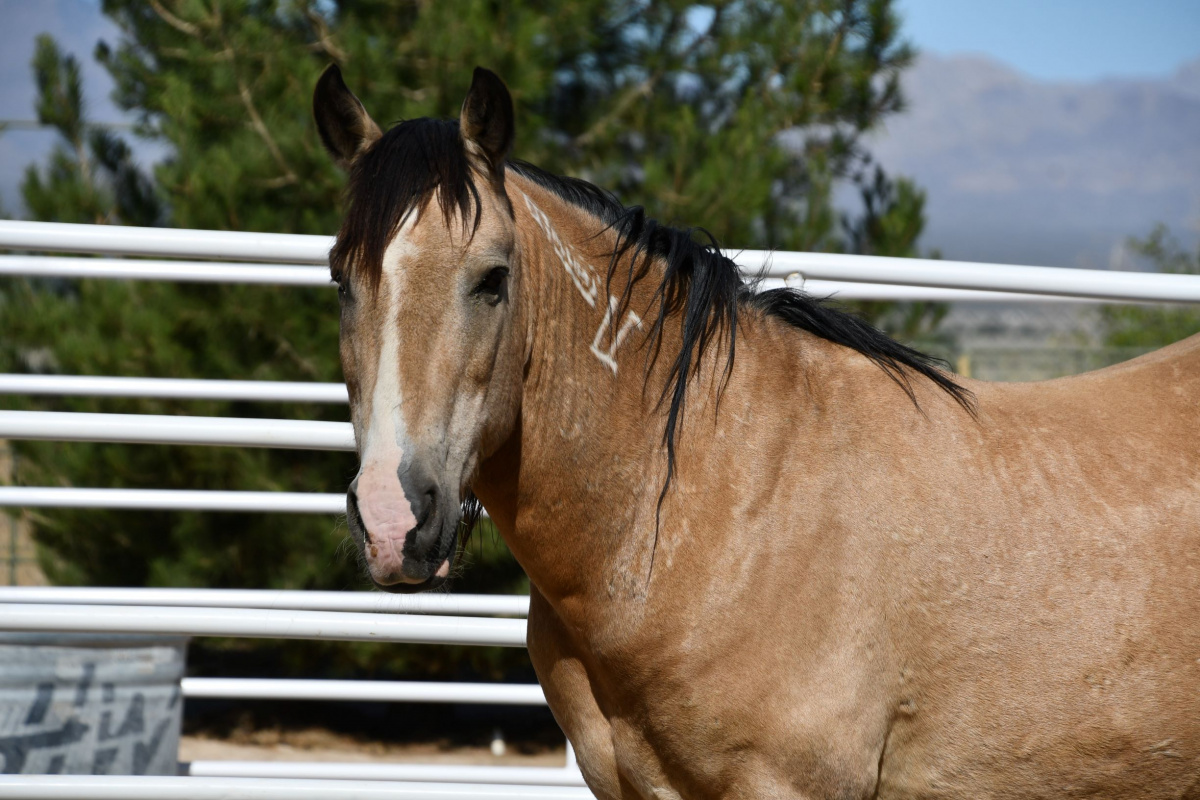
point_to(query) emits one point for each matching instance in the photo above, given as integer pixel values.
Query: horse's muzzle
(405, 552)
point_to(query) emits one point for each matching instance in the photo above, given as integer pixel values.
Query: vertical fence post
(9, 461)
(12, 549)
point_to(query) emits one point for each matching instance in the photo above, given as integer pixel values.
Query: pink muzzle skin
(387, 517)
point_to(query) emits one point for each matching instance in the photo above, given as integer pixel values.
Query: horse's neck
(573, 487)
(575, 490)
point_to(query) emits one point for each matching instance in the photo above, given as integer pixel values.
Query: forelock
(415, 162)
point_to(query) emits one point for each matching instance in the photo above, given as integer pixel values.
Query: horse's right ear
(346, 128)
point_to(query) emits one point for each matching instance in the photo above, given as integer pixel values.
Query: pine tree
(736, 116)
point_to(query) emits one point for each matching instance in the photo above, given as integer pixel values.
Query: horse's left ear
(486, 120)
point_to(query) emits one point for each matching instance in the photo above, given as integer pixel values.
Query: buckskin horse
(773, 553)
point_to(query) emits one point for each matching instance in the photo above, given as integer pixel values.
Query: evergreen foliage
(738, 116)
(1155, 326)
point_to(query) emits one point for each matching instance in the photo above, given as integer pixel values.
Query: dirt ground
(317, 744)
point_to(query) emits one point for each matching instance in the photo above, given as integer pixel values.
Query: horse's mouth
(439, 574)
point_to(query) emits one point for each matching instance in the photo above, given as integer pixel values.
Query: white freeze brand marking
(581, 274)
(586, 282)
(609, 357)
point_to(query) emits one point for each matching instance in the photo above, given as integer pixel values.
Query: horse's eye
(343, 287)
(493, 283)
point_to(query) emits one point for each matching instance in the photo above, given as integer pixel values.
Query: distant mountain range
(1017, 170)
(1023, 171)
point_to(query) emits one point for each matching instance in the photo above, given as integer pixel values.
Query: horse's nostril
(421, 489)
(353, 517)
(428, 504)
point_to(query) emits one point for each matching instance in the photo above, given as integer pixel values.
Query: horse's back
(1067, 635)
(1169, 374)
(1140, 418)
(1174, 369)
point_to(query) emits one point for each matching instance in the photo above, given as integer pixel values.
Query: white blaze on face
(385, 510)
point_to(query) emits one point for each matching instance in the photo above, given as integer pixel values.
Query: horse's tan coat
(850, 597)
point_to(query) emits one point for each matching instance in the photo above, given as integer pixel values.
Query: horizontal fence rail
(182, 271)
(174, 388)
(366, 602)
(152, 429)
(299, 275)
(140, 787)
(508, 694)
(849, 290)
(802, 268)
(60, 237)
(459, 773)
(263, 624)
(1092, 283)
(173, 500)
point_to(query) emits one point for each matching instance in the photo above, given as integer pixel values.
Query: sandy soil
(322, 745)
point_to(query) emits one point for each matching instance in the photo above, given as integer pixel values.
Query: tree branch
(174, 21)
(324, 41)
(256, 121)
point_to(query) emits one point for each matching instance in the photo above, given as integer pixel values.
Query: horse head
(428, 268)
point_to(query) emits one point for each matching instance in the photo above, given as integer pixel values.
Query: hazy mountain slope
(1052, 173)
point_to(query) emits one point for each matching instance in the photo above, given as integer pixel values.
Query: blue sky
(1076, 40)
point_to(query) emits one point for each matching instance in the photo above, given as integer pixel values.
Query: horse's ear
(345, 126)
(486, 121)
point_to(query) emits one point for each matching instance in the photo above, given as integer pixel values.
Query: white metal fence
(350, 616)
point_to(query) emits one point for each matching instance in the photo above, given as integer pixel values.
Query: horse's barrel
(90, 704)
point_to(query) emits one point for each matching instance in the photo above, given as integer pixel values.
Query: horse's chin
(432, 582)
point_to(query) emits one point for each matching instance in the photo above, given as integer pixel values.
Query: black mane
(421, 158)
